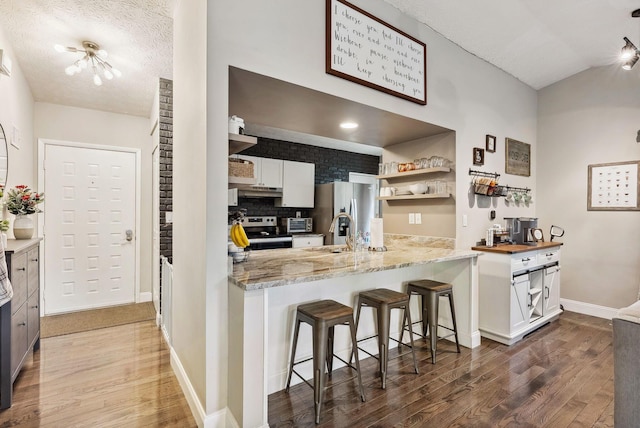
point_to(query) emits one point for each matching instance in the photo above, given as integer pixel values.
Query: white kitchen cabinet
(518, 293)
(305, 241)
(298, 185)
(268, 172)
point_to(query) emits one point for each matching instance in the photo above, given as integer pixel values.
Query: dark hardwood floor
(112, 377)
(559, 376)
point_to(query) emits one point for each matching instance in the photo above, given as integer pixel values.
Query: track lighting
(630, 53)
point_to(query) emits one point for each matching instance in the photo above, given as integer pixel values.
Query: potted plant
(21, 202)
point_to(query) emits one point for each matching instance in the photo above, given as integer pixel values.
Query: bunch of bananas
(238, 235)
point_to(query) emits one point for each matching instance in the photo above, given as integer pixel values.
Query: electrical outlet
(412, 218)
(418, 218)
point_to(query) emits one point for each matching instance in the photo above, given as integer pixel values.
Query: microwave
(297, 225)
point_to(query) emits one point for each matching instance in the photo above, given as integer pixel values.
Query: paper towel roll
(377, 233)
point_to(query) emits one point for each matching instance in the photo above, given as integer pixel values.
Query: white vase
(23, 227)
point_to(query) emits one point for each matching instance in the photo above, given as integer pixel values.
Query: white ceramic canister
(236, 125)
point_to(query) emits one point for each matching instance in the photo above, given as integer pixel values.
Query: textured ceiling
(137, 34)
(538, 41)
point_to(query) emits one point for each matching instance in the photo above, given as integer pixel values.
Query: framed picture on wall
(614, 186)
(478, 156)
(491, 143)
(517, 158)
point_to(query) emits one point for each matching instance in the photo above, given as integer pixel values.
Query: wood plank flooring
(111, 377)
(559, 376)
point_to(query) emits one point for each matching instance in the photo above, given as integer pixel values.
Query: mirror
(4, 157)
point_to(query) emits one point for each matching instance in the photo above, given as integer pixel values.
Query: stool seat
(430, 285)
(325, 310)
(383, 300)
(384, 295)
(323, 316)
(431, 291)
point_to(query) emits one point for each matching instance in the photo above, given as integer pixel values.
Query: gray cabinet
(19, 318)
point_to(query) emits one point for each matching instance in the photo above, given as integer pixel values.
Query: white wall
(57, 122)
(198, 340)
(586, 119)
(16, 109)
(288, 42)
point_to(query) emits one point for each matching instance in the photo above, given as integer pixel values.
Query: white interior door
(89, 228)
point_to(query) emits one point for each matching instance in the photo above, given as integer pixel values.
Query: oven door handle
(267, 240)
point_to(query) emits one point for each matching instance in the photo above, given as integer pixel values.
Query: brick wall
(165, 125)
(331, 165)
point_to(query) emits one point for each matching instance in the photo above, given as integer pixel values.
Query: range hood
(259, 192)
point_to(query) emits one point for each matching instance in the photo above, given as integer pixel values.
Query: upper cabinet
(298, 185)
(268, 172)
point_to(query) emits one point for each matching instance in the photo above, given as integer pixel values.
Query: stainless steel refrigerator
(356, 199)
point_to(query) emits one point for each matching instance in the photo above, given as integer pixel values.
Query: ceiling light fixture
(93, 57)
(348, 125)
(630, 53)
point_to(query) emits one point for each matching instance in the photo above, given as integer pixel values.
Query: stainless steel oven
(263, 233)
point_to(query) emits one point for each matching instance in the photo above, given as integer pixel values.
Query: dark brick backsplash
(331, 165)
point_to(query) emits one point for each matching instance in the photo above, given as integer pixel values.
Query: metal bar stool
(431, 291)
(383, 300)
(323, 316)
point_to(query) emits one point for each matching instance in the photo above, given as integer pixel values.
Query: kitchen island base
(261, 323)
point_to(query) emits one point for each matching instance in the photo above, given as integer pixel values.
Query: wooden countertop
(513, 249)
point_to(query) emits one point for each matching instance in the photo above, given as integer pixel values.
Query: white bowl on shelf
(418, 188)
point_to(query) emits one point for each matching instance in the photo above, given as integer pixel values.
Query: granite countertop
(513, 249)
(274, 268)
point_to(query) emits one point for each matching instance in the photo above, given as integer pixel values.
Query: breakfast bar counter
(265, 290)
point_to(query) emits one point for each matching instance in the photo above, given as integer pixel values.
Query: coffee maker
(520, 230)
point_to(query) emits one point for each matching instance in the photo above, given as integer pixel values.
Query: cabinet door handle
(34, 307)
(34, 260)
(22, 268)
(22, 324)
(547, 290)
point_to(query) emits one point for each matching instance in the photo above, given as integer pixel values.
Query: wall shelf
(419, 196)
(238, 143)
(413, 173)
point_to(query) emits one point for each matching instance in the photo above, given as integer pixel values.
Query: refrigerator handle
(354, 214)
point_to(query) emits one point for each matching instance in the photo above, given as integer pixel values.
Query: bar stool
(323, 316)
(383, 300)
(431, 291)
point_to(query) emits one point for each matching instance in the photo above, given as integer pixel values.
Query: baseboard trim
(145, 297)
(588, 309)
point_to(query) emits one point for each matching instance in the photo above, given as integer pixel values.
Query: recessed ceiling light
(348, 125)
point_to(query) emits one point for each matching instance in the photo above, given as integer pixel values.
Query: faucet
(351, 237)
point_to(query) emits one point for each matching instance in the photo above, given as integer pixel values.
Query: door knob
(129, 234)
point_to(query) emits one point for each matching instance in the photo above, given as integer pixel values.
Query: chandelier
(93, 58)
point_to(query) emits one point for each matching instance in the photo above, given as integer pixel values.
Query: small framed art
(478, 156)
(491, 143)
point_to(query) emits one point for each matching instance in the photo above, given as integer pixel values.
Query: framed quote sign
(517, 158)
(614, 186)
(368, 51)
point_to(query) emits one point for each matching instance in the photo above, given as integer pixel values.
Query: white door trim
(42, 143)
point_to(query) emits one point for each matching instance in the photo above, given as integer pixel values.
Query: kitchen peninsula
(265, 290)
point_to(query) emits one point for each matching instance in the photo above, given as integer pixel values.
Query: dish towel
(6, 291)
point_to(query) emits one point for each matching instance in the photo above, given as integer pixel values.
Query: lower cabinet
(308, 241)
(518, 293)
(20, 317)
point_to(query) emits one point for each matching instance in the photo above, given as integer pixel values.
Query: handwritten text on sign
(368, 50)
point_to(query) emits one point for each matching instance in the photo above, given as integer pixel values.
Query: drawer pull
(34, 260)
(34, 307)
(526, 259)
(22, 324)
(22, 268)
